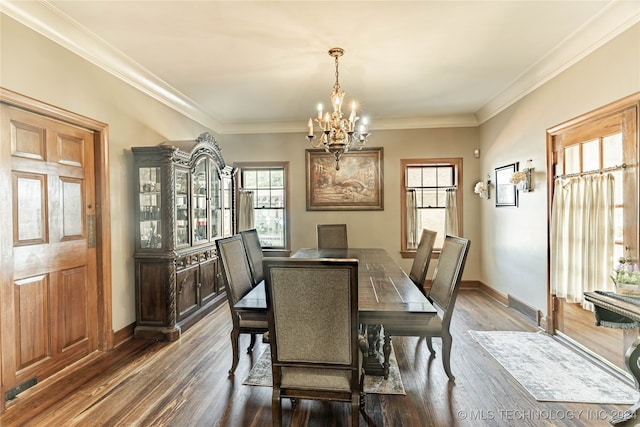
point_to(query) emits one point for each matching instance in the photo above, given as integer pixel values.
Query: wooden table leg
(630, 416)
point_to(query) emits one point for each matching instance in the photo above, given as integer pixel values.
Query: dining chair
(254, 254)
(238, 282)
(313, 325)
(420, 265)
(332, 236)
(442, 294)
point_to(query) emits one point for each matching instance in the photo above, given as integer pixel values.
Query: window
(268, 182)
(603, 141)
(427, 180)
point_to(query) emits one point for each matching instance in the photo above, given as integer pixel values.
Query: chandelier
(338, 134)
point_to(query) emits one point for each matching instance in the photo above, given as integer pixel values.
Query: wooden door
(47, 240)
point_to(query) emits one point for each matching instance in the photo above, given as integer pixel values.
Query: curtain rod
(609, 169)
(451, 187)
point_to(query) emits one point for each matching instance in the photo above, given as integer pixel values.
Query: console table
(619, 311)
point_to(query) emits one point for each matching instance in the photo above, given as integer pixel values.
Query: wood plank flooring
(185, 383)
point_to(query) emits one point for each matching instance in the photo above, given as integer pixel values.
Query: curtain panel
(412, 220)
(451, 213)
(582, 236)
(245, 210)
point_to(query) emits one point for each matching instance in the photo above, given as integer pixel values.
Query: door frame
(105, 335)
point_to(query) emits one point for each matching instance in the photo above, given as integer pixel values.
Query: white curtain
(451, 213)
(245, 210)
(412, 220)
(582, 236)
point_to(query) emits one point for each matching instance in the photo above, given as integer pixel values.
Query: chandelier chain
(337, 85)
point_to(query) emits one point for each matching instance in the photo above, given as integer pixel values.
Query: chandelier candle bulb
(310, 126)
(319, 111)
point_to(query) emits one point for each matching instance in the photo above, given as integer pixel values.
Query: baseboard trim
(123, 335)
(524, 308)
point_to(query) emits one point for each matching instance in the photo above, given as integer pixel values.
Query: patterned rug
(260, 375)
(550, 371)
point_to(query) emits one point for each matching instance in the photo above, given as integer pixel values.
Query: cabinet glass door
(199, 195)
(150, 207)
(216, 205)
(182, 207)
(226, 206)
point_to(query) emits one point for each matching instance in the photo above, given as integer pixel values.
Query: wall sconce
(522, 179)
(483, 189)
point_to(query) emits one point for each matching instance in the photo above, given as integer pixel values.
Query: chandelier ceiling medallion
(338, 134)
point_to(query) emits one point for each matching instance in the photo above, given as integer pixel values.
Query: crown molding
(453, 121)
(618, 17)
(44, 18)
(47, 20)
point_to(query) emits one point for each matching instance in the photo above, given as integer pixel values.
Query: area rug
(260, 375)
(550, 371)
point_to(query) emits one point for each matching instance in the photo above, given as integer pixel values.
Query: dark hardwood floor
(185, 383)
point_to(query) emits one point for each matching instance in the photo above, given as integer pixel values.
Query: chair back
(446, 279)
(313, 312)
(254, 254)
(332, 236)
(235, 268)
(422, 259)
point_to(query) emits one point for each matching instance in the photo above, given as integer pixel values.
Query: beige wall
(508, 249)
(34, 66)
(513, 241)
(368, 228)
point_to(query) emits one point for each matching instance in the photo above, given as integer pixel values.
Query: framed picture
(357, 185)
(506, 193)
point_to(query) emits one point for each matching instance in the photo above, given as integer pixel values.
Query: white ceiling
(244, 66)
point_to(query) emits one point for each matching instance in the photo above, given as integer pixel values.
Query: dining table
(387, 299)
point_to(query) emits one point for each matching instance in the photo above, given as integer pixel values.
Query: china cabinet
(184, 202)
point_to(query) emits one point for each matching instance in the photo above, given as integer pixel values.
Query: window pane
(264, 178)
(269, 224)
(277, 178)
(414, 177)
(419, 198)
(433, 219)
(429, 177)
(263, 199)
(591, 155)
(572, 159)
(618, 224)
(249, 179)
(430, 199)
(277, 198)
(612, 150)
(618, 194)
(445, 177)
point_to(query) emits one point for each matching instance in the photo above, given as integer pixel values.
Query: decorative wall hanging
(506, 194)
(357, 185)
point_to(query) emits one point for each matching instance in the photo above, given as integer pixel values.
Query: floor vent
(524, 308)
(11, 394)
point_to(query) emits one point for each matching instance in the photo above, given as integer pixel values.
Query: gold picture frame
(358, 185)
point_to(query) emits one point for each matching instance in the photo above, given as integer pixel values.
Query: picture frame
(357, 186)
(506, 193)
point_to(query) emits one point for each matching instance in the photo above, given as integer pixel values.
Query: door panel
(50, 295)
(31, 297)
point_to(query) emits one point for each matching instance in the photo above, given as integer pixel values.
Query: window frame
(456, 162)
(622, 115)
(284, 166)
